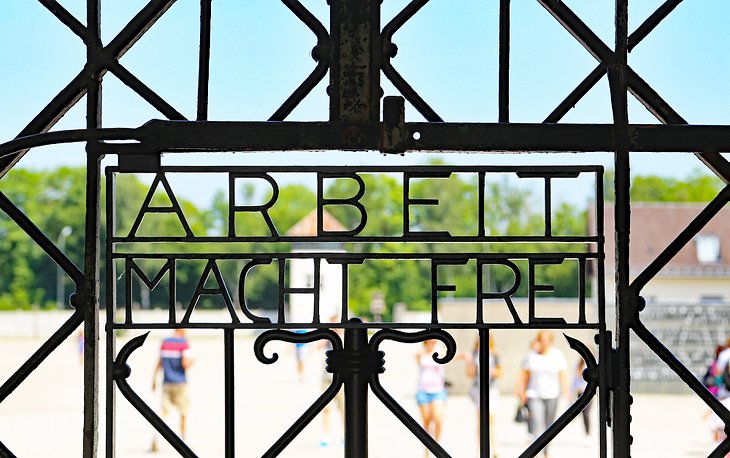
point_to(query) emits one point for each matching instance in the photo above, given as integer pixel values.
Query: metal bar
(77, 88)
(356, 398)
(320, 53)
(121, 371)
(380, 325)
(577, 94)
(317, 75)
(5, 452)
(651, 22)
(400, 413)
(48, 117)
(138, 26)
(68, 19)
(174, 136)
(20, 144)
(150, 96)
(590, 376)
(460, 257)
(617, 78)
(355, 61)
(504, 55)
(306, 417)
(204, 59)
(230, 398)
(389, 51)
(685, 374)
(35, 360)
(709, 212)
(111, 296)
(91, 241)
(485, 425)
(43, 242)
(637, 86)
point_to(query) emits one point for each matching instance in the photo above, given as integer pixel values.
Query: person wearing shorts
(175, 359)
(431, 390)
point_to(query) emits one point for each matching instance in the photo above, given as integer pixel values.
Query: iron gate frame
(354, 52)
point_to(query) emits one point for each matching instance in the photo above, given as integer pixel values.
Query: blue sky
(448, 52)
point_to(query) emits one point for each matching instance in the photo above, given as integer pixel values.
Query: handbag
(522, 414)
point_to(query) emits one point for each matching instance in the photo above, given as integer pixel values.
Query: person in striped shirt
(175, 359)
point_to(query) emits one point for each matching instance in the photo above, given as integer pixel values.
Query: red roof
(307, 226)
(655, 225)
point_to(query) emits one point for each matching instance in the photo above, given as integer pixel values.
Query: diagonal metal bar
(651, 22)
(709, 212)
(35, 360)
(77, 88)
(49, 116)
(722, 449)
(320, 53)
(121, 371)
(390, 50)
(591, 376)
(636, 85)
(68, 19)
(676, 365)
(577, 94)
(306, 418)
(400, 413)
(136, 28)
(5, 452)
(58, 256)
(317, 75)
(150, 96)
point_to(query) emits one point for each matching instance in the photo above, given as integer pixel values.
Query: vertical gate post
(91, 250)
(617, 77)
(355, 58)
(356, 393)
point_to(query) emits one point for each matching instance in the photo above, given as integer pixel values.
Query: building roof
(307, 226)
(655, 225)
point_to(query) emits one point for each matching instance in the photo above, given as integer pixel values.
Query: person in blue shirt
(175, 359)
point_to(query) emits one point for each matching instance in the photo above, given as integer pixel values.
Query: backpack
(713, 378)
(725, 374)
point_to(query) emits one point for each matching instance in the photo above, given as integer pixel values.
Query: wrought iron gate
(355, 50)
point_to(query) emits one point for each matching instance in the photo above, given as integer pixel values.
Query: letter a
(148, 208)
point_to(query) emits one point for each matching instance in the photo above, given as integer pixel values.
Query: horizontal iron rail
(373, 326)
(198, 136)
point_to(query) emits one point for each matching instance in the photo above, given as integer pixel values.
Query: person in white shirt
(543, 380)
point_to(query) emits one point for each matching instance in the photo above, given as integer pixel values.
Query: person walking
(175, 359)
(431, 390)
(543, 379)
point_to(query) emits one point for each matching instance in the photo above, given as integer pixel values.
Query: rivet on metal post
(393, 133)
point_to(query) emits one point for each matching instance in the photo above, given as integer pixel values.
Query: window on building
(708, 248)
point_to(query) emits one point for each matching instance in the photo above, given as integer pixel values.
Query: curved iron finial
(414, 337)
(292, 337)
(583, 351)
(121, 369)
(121, 372)
(590, 375)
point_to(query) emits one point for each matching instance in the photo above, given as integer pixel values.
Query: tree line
(54, 200)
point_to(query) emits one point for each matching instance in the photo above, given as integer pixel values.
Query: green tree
(697, 187)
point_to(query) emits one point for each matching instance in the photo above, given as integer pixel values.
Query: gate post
(356, 393)
(355, 57)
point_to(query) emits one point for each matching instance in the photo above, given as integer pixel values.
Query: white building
(302, 273)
